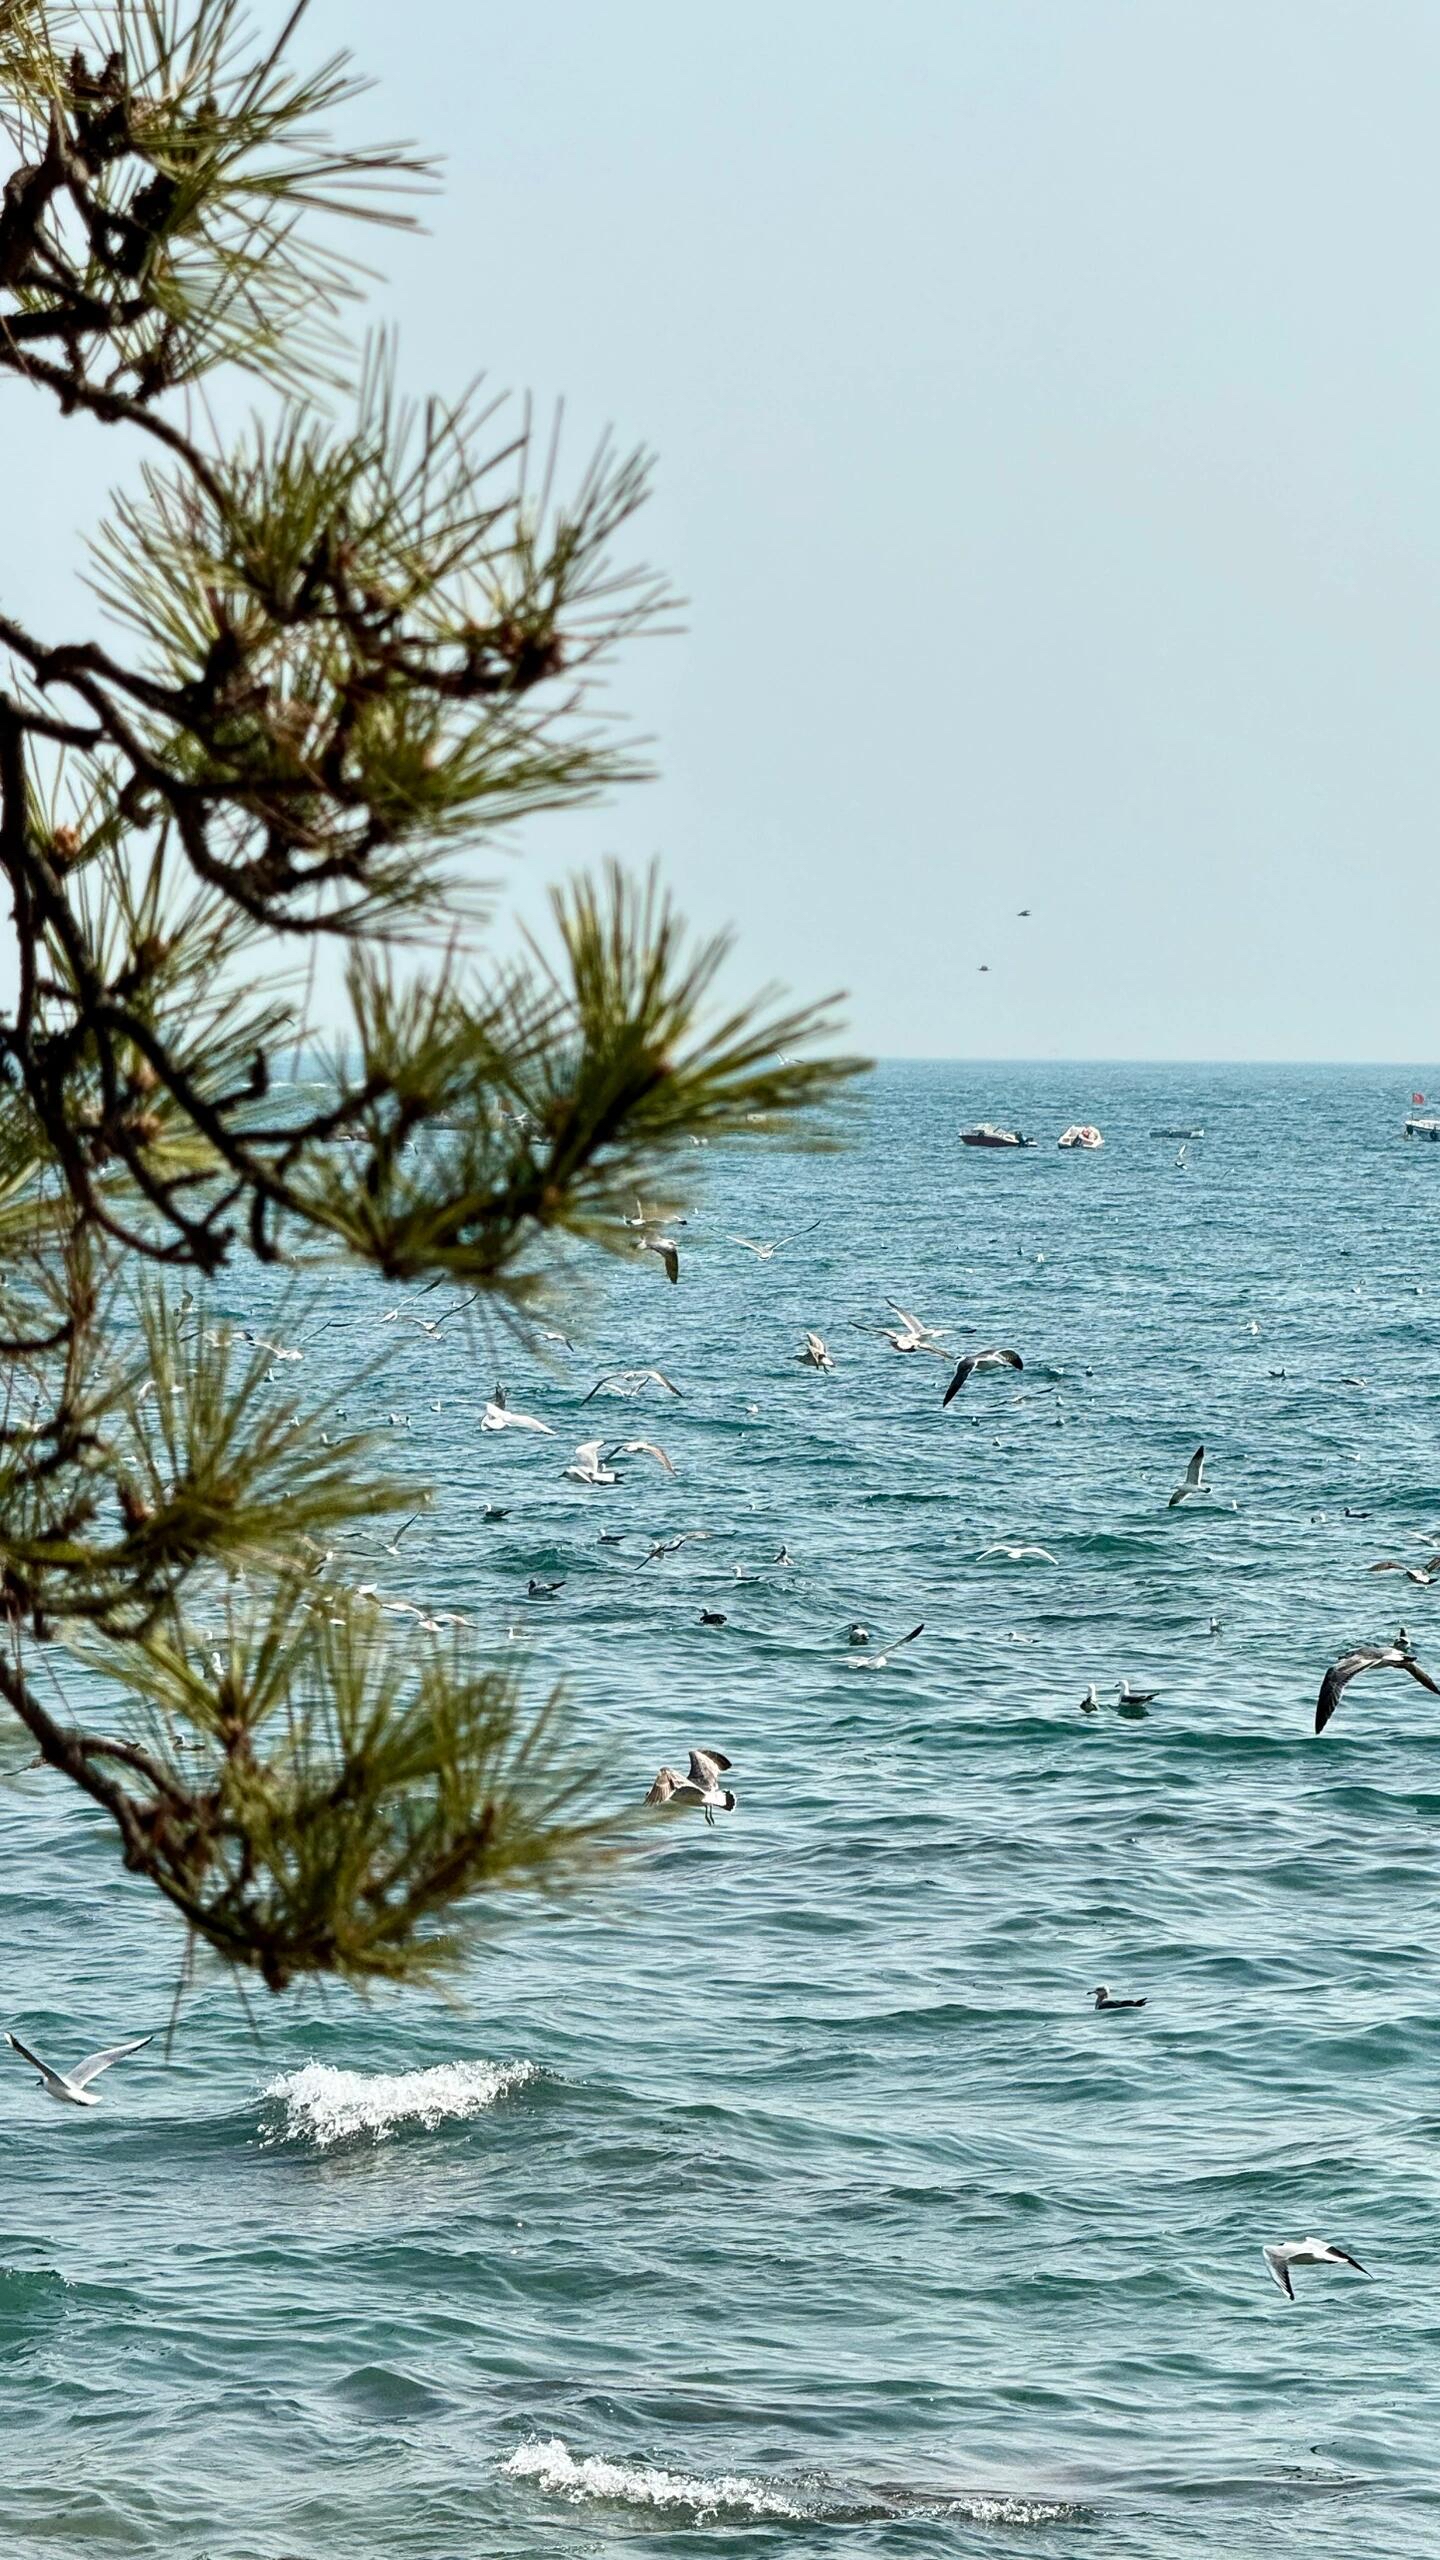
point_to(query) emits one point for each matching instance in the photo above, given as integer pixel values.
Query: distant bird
(981, 1362)
(495, 1511)
(815, 1354)
(668, 1251)
(782, 1555)
(713, 1618)
(664, 1547)
(857, 1634)
(699, 1788)
(643, 1449)
(586, 1468)
(1129, 1697)
(1368, 1657)
(393, 1548)
(880, 1661)
(1194, 1480)
(1281, 2255)
(1180, 1159)
(535, 1589)
(1016, 1555)
(1022, 911)
(767, 1252)
(632, 1382)
(73, 2087)
(1422, 1573)
(611, 1538)
(1090, 1703)
(498, 1416)
(1104, 1998)
(984, 969)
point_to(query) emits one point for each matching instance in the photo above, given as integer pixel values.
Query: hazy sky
(1047, 401)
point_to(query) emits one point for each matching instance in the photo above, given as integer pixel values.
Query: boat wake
(322, 2106)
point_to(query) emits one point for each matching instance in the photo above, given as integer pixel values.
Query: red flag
(1417, 1097)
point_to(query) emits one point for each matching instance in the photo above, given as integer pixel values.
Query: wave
(593, 2478)
(549, 2462)
(322, 2105)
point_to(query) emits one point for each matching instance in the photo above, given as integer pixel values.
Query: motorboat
(1426, 1128)
(987, 1136)
(1177, 1133)
(1082, 1133)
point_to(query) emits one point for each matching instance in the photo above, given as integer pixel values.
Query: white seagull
(767, 1252)
(632, 1382)
(1016, 1555)
(911, 1334)
(1129, 1697)
(1281, 2255)
(879, 1661)
(700, 1789)
(586, 1468)
(668, 1250)
(499, 1416)
(1194, 1481)
(643, 1449)
(980, 1362)
(815, 1355)
(73, 2087)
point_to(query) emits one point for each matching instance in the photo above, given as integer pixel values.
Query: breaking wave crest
(548, 2462)
(323, 2106)
(553, 2467)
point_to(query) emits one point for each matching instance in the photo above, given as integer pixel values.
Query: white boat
(1081, 1133)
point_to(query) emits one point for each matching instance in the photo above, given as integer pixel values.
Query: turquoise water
(789, 2194)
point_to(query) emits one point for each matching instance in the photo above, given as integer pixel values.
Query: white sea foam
(553, 2467)
(325, 2106)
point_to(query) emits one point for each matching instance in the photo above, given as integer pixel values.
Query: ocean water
(786, 2193)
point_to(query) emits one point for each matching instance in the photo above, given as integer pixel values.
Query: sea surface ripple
(787, 2193)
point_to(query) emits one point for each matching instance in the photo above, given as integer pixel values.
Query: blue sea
(784, 2192)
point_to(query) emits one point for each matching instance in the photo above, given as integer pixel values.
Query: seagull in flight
(664, 1547)
(981, 1362)
(73, 2087)
(700, 1787)
(586, 1467)
(643, 1449)
(1367, 1657)
(1194, 1480)
(499, 1416)
(1104, 1998)
(1281, 2255)
(668, 1250)
(816, 1354)
(910, 1334)
(880, 1661)
(632, 1382)
(767, 1252)
(1015, 1555)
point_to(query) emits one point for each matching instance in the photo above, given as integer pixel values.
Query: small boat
(1426, 1128)
(1177, 1133)
(1081, 1133)
(986, 1136)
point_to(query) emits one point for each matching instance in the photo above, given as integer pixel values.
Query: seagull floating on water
(981, 1363)
(713, 1618)
(1281, 2255)
(1129, 1697)
(535, 1589)
(586, 1468)
(73, 2087)
(700, 1788)
(1367, 1657)
(1104, 1998)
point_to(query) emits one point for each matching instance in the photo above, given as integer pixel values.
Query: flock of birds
(701, 1788)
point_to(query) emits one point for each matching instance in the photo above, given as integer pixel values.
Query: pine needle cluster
(336, 655)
